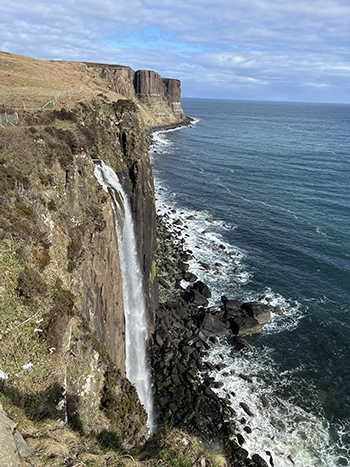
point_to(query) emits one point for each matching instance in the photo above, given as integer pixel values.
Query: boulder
(244, 326)
(204, 265)
(277, 310)
(241, 345)
(189, 276)
(231, 307)
(246, 409)
(197, 298)
(177, 309)
(182, 266)
(257, 310)
(163, 282)
(202, 288)
(260, 462)
(211, 326)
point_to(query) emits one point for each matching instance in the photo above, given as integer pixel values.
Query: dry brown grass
(32, 83)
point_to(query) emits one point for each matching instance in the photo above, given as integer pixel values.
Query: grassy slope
(32, 83)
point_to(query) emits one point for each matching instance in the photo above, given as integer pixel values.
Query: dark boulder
(163, 282)
(244, 326)
(177, 309)
(204, 265)
(212, 326)
(246, 409)
(231, 307)
(202, 288)
(197, 298)
(241, 345)
(182, 266)
(257, 310)
(260, 462)
(189, 276)
(277, 310)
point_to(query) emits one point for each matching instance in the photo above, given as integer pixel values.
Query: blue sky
(284, 50)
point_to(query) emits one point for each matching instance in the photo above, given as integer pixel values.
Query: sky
(279, 50)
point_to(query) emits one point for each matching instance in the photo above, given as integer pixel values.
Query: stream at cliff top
(135, 313)
(262, 192)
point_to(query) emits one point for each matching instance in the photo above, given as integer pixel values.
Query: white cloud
(261, 43)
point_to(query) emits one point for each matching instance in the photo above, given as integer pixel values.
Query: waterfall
(135, 313)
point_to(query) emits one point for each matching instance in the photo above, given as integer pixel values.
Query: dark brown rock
(257, 310)
(245, 326)
(202, 288)
(211, 326)
(246, 408)
(260, 462)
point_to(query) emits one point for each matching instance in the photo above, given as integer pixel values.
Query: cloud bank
(261, 49)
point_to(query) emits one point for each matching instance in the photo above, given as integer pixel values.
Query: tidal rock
(189, 276)
(240, 439)
(182, 265)
(197, 298)
(246, 378)
(231, 307)
(202, 288)
(245, 326)
(277, 310)
(212, 326)
(240, 453)
(265, 401)
(246, 409)
(204, 265)
(240, 345)
(258, 310)
(259, 461)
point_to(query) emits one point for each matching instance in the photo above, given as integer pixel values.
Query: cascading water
(135, 313)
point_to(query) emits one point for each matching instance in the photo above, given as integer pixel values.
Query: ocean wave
(291, 434)
(221, 265)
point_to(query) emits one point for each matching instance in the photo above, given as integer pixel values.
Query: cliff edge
(62, 352)
(31, 84)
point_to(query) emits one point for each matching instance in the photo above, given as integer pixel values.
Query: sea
(259, 192)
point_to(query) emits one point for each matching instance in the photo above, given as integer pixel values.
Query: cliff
(29, 84)
(61, 275)
(62, 353)
(158, 98)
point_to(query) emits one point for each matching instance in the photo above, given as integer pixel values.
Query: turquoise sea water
(269, 186)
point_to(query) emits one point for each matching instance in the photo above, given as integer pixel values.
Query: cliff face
(62, 322)
(60, 265)
(157, 97)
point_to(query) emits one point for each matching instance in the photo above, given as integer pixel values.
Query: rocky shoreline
(185, 328)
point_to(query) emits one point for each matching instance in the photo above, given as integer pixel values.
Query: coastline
(171, 126)
(184, 385)
(186, 222)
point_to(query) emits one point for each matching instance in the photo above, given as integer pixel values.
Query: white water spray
(135, 313)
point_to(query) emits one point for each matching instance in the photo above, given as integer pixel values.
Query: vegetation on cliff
(62, 360)
(62, 350)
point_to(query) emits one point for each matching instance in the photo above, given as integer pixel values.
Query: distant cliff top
(31, 84)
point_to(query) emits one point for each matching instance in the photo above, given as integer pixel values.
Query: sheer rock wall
(61, 277)
(159, 99)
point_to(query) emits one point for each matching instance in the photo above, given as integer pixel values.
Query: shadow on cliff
(51, 403)
(54, 404)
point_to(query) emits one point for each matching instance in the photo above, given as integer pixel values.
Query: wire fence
(64, 94)
(10, 118)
